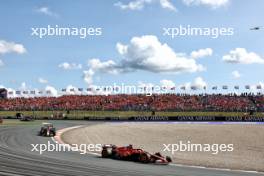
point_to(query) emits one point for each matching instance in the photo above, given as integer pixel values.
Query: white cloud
(105, 67)
(53, 91)
(210, 3)
(166, 4)
(167, 83)
(236, 74)
(1, 63)
(133, 5)
(201, 53)
(121, 49)
(46, 11)
(11, 47)
(186, 85)
(144, 53)
(242, 56)
(253, 88)
(261, 84)
(70, 66)
(42, 81)
(140, 4)
(147, 53)
(199, 83)
(11, 95)
(88, 76)
(72, 90)
(23, 86)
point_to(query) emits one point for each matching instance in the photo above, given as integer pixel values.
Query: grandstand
(140, 102)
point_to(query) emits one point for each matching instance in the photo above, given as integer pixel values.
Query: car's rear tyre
(105, 154)
(168, 159)
(116, 156)
(143, 158)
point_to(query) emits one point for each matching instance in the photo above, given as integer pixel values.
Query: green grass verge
(81, 114)
(16, 122)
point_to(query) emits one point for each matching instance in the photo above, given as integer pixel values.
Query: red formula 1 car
(131, 154)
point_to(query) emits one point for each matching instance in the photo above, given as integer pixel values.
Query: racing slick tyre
(135, 157)
(143, 158)
(116, 156)
(168, 159)
(52, 134)
(105, 154)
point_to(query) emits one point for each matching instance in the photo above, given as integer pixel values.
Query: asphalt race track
(16, 158)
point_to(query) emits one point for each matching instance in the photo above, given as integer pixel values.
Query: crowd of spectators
(163, 102)
(259, 102)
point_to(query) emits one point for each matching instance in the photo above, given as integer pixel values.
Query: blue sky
(37, 63)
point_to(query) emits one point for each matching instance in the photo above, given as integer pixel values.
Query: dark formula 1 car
(47, 130)
(24, 118)
(131, 154)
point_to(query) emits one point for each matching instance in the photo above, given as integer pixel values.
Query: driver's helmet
(158, 154)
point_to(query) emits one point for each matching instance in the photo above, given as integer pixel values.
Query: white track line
(219, 169)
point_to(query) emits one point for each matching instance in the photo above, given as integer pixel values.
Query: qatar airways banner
(182, 118)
